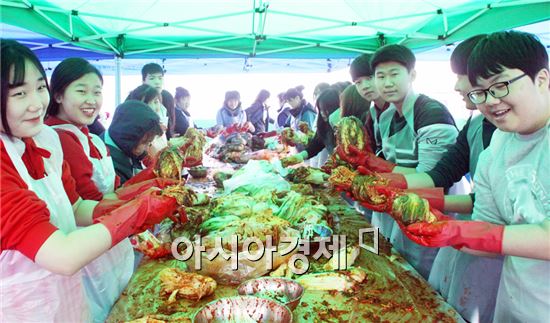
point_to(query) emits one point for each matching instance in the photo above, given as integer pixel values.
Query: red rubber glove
(344, 190)
(137, 215)
(355, 157)
(128, 192)
(267, 134)
(191, 161)
(144, 175)
(477, 235)
(440, 217)
(366, 159)
(106, 206)
(395, 179)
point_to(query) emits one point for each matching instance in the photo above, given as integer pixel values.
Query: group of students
(62, 241)
(491, 260)
(256, 118)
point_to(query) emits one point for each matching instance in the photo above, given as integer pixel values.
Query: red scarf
(33, 158)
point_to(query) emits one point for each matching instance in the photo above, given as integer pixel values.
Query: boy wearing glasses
(511, 87)
(415, 132)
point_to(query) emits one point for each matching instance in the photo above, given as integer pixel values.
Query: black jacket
(455, 163)
(324, 138)
(182, 121)
(255, 114)
(132, 119)
(283, 118)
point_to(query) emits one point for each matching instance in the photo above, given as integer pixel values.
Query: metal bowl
(243, 309)
(198, 171)
(283, 290)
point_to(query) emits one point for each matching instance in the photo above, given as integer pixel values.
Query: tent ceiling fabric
(335, 29)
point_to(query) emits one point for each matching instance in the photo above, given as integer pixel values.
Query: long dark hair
(327, 102)
(68, 71)
(263, 95)
(13, 54)
(170, 105)
(181, 93)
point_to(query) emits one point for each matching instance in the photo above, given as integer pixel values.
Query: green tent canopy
(264, 29)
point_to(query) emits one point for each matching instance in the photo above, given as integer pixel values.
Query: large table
(392, 292)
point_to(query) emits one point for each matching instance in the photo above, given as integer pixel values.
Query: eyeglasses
(497, 91)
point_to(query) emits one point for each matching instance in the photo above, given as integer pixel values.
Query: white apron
(30, 293)
(160, 142)
(401, 148)
(469, 283)
(106, 277)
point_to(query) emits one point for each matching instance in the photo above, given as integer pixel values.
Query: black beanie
(131, 121)
(360, 67)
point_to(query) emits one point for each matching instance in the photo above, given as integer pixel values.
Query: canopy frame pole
(24, 5)
(467, 21)
(192, 45)
(346, 24)
(213, 31)
(280, 50)
(50, 20)
(116, 51)
(231, 14)
(71, 24)
(118, 78)
(261, 11)
(445, 24)
(253, 16)
(201, 42)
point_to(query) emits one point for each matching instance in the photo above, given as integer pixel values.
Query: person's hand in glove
(477, 235)
(393, 179)
(192, 161)
(294, 159)
(269, 134)
(366, 159)
(130, 191)
(438, 215)
(105, 206)
(144, 175)
(248, 126)
(137, 215)
(434, 196)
